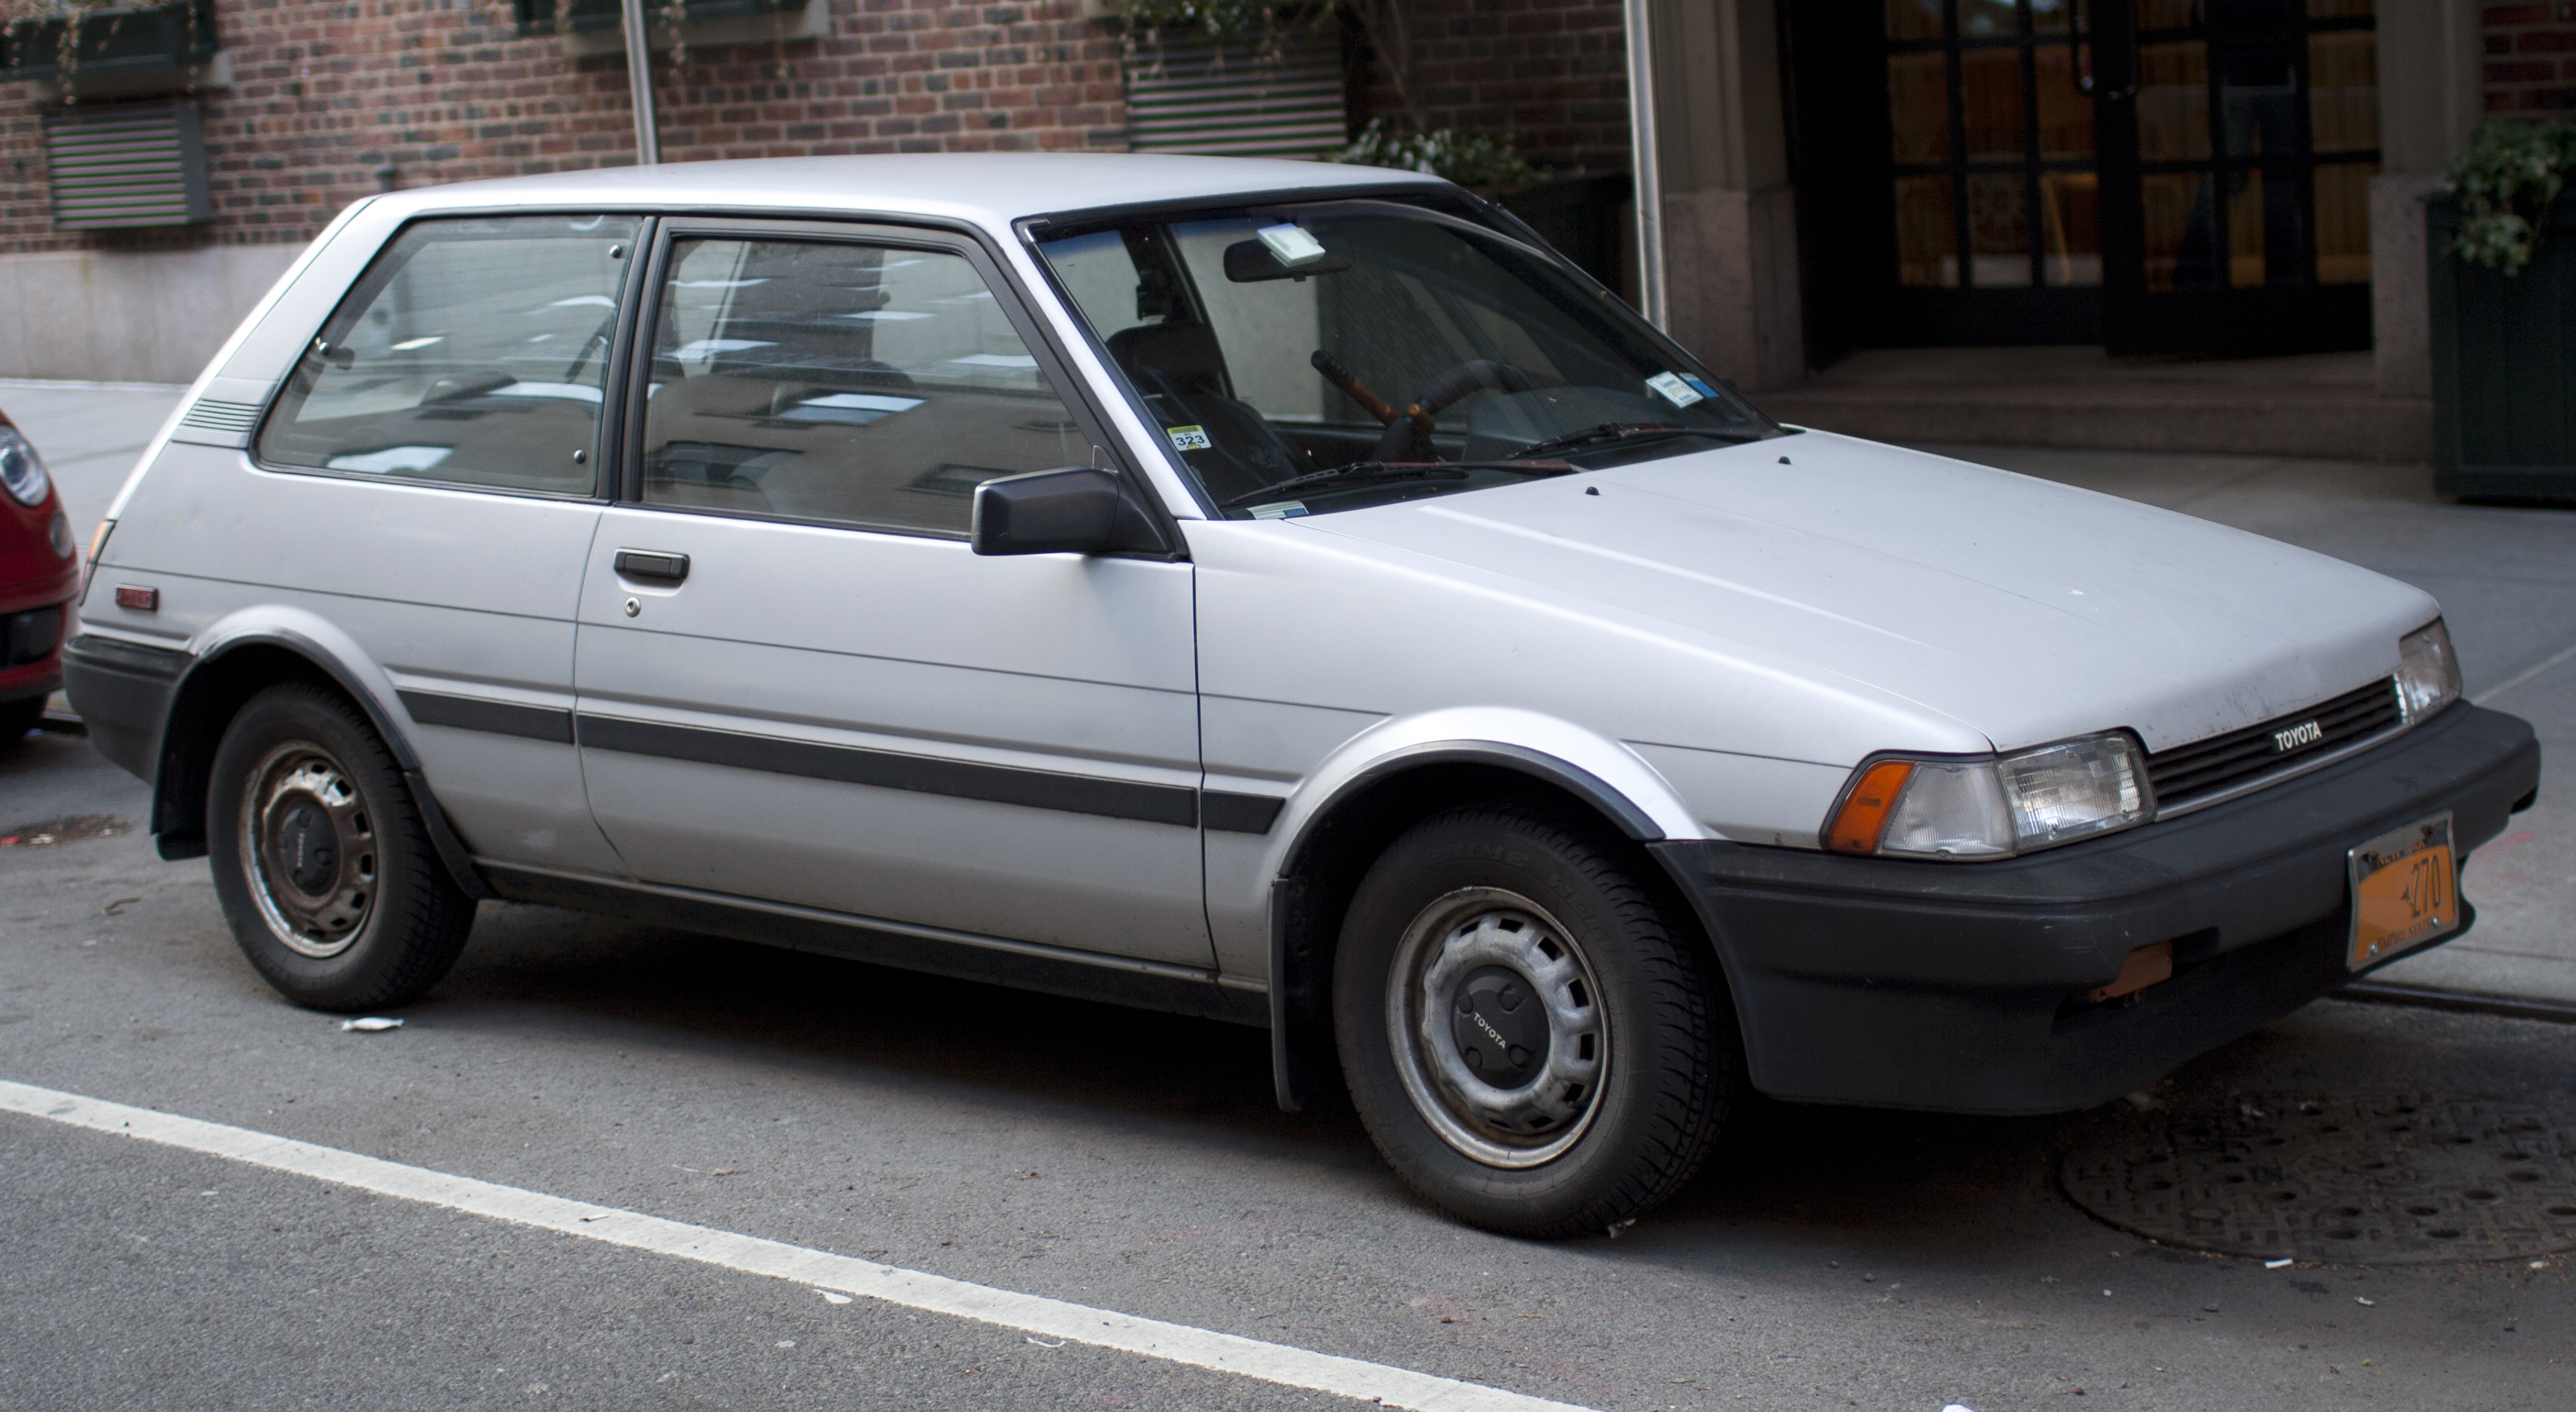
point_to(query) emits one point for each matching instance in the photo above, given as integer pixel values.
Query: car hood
(2024, 610)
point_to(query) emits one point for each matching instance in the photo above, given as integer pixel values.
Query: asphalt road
(1830, 1258)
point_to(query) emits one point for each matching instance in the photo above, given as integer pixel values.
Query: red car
(39, 573)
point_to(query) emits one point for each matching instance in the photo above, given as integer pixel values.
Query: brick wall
(326, 95)
(330, 100)
(2531, 58)
(1555, 71)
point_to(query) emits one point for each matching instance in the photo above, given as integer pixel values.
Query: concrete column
(1730, 225)
(2431, 101)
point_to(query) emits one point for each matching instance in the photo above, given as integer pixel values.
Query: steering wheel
(1408, 437)
(1408, 433)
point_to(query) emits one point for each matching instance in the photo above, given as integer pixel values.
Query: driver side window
(841, 382)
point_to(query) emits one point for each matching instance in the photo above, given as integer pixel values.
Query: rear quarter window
(471, 352)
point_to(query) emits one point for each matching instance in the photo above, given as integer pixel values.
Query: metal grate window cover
(1188, 94)
(127, 164)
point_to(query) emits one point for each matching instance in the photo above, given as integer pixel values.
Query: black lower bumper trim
(123, 690)
(1962, 986)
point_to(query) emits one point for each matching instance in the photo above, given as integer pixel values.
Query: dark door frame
(1840, 130)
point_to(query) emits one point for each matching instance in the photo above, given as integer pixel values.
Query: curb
(2466, 1002)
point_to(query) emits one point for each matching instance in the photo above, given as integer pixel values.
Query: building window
(1186, 93)
(124, 165)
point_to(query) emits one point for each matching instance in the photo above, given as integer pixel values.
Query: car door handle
(652, 565)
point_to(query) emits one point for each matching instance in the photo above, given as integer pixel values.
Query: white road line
(2491, 693)
(937, 1294)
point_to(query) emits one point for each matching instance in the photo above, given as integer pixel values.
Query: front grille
(2222, 762)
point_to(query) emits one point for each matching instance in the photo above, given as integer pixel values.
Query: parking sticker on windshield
(1675, 391)
(1188, 438)
(1293, 244)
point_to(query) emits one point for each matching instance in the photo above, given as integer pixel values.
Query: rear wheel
(1531, 1042)
(321, 860)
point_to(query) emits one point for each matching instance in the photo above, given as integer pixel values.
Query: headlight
(20, 471)
(1994, 807)
(2428, 671)
(59, 535)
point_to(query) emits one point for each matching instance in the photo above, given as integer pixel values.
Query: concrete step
(2319, 406)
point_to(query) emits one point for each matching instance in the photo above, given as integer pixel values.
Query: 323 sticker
(1188, 438)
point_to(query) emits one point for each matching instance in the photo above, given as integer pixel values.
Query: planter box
(584, 16)
(2504, 365)
(150, 41)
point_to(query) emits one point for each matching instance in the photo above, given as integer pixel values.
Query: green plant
(2505, 182)
(1469, 159)
(1225, 21)
(1261, 24)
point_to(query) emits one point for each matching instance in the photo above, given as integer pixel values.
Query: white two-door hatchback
(1274, 591)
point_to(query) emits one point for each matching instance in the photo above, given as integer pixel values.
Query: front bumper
(1962, 986)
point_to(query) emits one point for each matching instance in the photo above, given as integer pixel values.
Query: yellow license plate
(2405, 891)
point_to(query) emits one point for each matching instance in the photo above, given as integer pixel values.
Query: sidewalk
(2506, 578)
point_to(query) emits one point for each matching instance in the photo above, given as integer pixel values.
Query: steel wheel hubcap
(1496, 1024)
(309, 848)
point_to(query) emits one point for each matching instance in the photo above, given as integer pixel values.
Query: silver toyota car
(1274, 591)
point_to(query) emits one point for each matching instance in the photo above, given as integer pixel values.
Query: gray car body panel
(1713, 642)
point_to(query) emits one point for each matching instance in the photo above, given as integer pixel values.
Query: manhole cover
(2375, 1178)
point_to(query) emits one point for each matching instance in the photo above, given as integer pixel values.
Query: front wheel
(321, 859)
(1532, 1043)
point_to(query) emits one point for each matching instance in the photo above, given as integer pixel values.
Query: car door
(428, 482)
(797, 682)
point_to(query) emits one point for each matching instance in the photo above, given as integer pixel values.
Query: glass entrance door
(2241, 137)
(1991, 148)
(2154, 175)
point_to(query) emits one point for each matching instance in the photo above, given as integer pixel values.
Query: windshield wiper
(1622, 431)
(1379, 472)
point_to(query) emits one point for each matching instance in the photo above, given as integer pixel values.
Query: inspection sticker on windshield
(1675, 391)
(2405, 891)
(1188, 438)
(1291, 243)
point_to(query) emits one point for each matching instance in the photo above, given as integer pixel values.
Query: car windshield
(1324, 356)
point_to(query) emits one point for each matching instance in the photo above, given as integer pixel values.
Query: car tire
(1599, 1081)
(321, 860)
(19, 717)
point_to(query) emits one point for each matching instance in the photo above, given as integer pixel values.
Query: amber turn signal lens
(1863, 817)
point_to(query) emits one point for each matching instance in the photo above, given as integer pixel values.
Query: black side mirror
(1075, 510)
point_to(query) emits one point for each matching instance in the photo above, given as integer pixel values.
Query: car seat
(1180, 372)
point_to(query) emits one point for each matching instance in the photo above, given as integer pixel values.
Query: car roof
(989, 189)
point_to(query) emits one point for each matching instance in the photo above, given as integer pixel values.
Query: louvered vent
(211, 415)
(127, 164)
(1185, 94)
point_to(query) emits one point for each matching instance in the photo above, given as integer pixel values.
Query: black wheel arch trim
(177, 838)
(1293, 1070)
